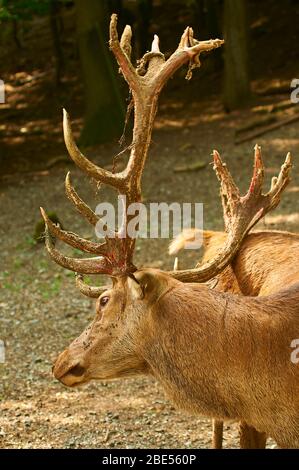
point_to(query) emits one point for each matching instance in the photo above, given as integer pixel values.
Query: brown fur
(216, 354)
(264, 265)
(250, 438)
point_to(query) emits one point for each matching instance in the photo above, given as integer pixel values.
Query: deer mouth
(70, 374)
(74, 377)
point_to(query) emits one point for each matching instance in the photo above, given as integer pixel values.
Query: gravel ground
(41, 311)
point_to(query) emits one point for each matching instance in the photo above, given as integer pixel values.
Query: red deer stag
(264, 265)
(215, 353)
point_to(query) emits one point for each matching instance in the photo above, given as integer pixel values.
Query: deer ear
(152, 284)
(149, 285)
(135, 288)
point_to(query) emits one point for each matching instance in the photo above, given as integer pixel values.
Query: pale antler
(241, 213)
(86, 289)
(80, 205)
(145, 82)
(230, 193)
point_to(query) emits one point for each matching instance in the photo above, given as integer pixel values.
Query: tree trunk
(104, 104)
(144, 15)
(236, 74)
(16, 35)
(57, 47)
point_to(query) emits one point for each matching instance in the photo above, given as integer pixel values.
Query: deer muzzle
(69, 370)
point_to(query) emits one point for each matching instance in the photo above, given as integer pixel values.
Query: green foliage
(39, 230)
(25, 9)
(51, 290)
(5, 14)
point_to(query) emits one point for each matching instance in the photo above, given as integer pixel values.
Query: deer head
(113, 345)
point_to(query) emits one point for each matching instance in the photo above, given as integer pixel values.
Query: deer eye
(104, 300)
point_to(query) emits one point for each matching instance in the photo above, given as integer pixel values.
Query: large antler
(241, 213)
(146, 82)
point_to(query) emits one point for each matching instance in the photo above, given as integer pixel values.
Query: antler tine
(71, 238)
(270, 200)
(185, 54)
(244, 213)
(125, 41)
(226, 180)
(99, 174)
(83, 208)
(83, 265)
(184, 41)
(258, 172)
(229, 192)
(279, 183)
(155, 44)
(89, 291)
(273, 182)
(121, 56)
(80, 205)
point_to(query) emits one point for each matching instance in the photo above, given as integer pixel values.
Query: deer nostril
(77, 370)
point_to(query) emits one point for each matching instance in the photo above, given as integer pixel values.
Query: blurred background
(54, 54)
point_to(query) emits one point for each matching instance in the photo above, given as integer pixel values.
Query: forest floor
(41, 311)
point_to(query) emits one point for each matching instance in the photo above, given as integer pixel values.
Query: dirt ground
(40, 309)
